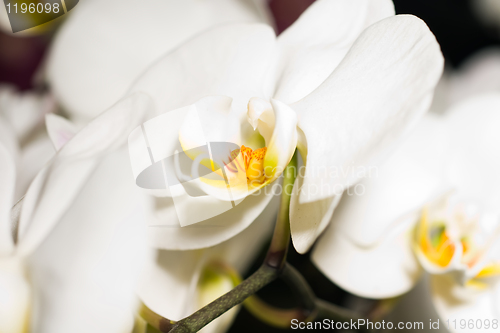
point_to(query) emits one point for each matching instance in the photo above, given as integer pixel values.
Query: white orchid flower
(434, 208)
(74, 261)
(105, 44)
(343, 83)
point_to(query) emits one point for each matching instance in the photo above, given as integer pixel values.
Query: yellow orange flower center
(439, 248)
(254, 163)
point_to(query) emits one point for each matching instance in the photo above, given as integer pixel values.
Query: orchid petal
(85, 272)
(140, 32)
(480, 74)
(455, 302)
(7, 179)
(165, 231)
(16, 296)
(373, 97)
(410, 178)
(475, 159)
(308, 220)
(384, 270)
(31, 160)
(175, 274)
(60, 130)
(316, 43)
(232, 60)
(56, 186)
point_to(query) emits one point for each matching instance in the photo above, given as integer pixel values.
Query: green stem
(276, 256)
(155, 320)
(193, 323)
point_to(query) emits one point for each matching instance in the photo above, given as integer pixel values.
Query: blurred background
(457, 24)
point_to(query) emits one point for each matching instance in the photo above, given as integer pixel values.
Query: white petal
(411, 177)
(173, 275)
(480, 74)
(60, 130)
(387, 269)
(230, 60)
(31, 160)
(24, 111)
(165, 231)
(454, 302)
(85, 272)
(57, 184)
(475, 158)
(379, 90)
(309, 219)
(7, 179)
(15, 291)
(316, 43)
(115, 46)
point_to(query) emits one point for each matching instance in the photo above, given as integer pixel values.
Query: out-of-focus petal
(85, 272)
(24, 111)
(455, 302)
(411, 177)
(475, 157)
(60, 130)
(15, 292)
(56, 186)
(7, 179)
(32, 158)
(105, 45)
(374, 96)
(480, 74)
(386, 269)
(316, 43)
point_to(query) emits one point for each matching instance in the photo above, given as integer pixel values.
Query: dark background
(458, 30)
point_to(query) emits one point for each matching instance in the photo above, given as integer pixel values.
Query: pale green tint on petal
(317, 42)
(374, 96)
(104, 45)
(56, 186)
(387, 269)
(84, 274)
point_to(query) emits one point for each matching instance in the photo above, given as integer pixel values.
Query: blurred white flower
(105, 44)
(79, 274)
(433, 207)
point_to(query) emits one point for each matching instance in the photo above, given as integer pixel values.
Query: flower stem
(276, 256)
(193, 323)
